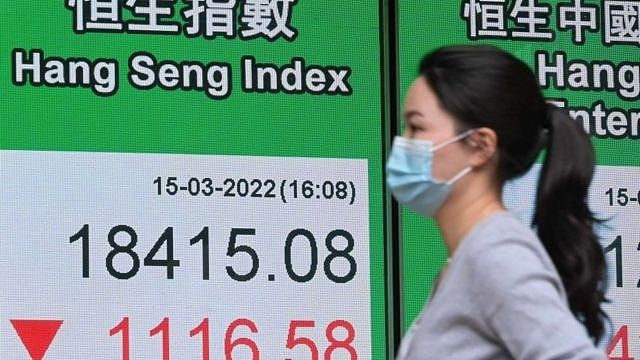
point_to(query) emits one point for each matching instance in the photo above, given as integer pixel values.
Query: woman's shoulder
(502, 256)
(502, 234)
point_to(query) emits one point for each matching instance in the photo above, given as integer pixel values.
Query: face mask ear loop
(462, 173)
(452, 140)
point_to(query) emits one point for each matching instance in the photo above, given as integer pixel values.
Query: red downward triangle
(36, 335)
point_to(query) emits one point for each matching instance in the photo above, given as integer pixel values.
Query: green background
(330, 33)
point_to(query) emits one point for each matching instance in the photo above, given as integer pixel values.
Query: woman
(475, 118)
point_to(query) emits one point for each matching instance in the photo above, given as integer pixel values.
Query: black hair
(483, 86)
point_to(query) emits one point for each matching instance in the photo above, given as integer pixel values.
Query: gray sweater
(500, 298)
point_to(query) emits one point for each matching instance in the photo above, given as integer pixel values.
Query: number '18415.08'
(128, 240)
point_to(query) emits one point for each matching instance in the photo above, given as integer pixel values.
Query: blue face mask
(409, 174)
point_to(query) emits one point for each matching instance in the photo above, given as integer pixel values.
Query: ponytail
(564, 221)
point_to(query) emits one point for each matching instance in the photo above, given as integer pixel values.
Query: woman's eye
(413, 128)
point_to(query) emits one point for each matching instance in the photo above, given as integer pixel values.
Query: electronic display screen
(191, 180)
(204, 179)
(584, 54)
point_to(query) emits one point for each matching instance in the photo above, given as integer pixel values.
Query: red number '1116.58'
(230, 343)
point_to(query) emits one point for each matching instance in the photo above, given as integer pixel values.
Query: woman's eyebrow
(411, 113)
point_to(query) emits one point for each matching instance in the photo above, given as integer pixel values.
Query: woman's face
(426, 120)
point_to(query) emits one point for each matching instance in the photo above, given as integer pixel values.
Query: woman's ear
(484, 142)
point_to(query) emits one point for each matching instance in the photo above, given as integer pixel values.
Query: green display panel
(192, 179)
(585, 54)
